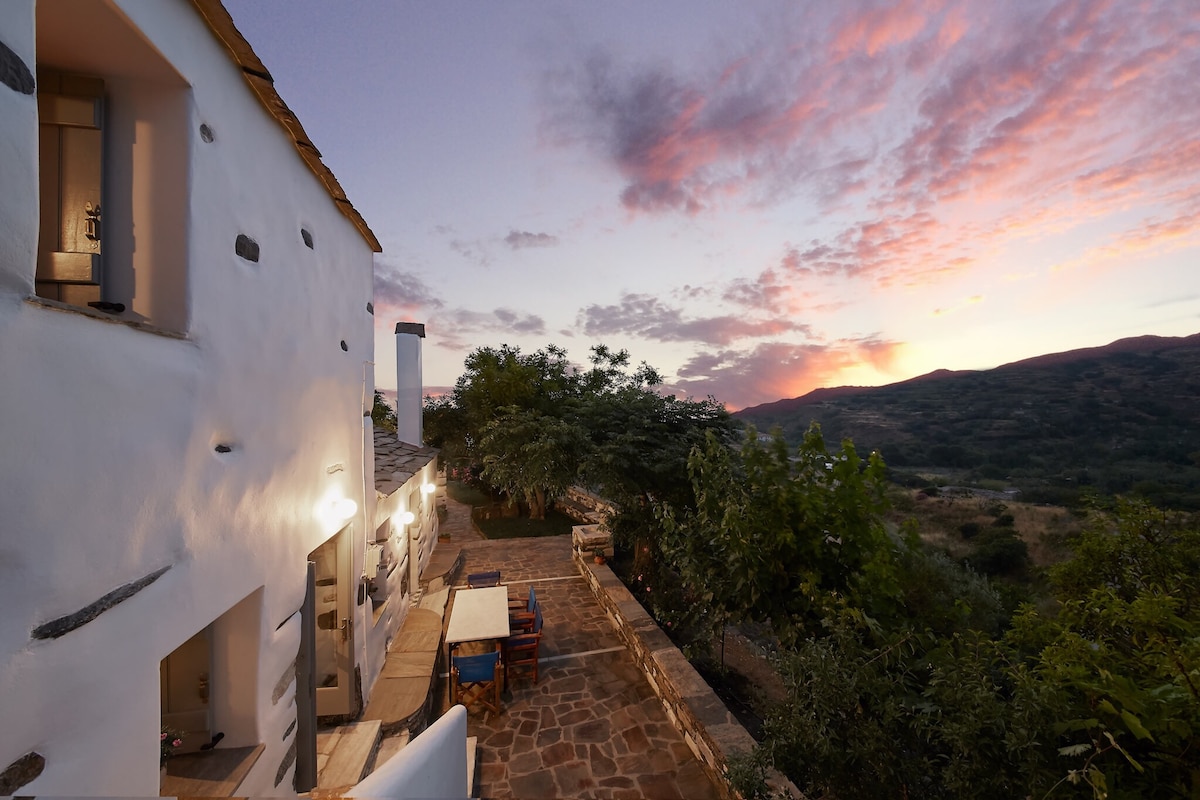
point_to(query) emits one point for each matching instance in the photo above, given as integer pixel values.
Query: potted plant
(598, 554)
(168, 741)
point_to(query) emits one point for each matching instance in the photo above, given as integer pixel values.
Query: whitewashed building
(185, 386)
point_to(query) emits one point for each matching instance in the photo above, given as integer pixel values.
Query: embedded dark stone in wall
(307, 237)
(371, 309)
(246, 247)
(21, 772)
(64, 625)
(281, 685)
(345, 347)
(289, 730)
(15, 74)
(223, 448)
(206, 133)
(289, 758)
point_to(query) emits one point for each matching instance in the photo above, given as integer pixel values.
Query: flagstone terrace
(617, 711)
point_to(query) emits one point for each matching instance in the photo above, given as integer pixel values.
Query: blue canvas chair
(521, 650)
(520, 614)
(475, 680)
(480, 580)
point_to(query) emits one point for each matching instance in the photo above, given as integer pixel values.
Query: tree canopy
(783, 539)
(1094, 694)
(532, 424)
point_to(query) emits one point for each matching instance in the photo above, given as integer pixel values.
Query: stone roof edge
(220, 22)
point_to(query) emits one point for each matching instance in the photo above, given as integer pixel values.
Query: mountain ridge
(1118, 418)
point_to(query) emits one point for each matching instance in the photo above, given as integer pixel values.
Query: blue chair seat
(475, 680)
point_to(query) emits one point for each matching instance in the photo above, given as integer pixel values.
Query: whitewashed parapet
(712, 733)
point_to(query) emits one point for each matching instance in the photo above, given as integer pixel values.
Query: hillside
(1124, 418)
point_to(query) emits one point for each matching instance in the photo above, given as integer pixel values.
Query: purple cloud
(646, 316)
(909, 116)
(399, 290)
(463, 329)
(519, 239)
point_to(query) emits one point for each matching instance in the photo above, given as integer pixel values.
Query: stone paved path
(592, 727)
(458, 524)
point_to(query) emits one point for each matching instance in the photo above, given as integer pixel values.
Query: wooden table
(477, 615)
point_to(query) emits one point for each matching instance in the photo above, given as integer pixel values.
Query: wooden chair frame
(482, 580)
(521, 650)
(475, 680)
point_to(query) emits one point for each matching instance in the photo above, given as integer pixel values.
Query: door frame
(337, 700)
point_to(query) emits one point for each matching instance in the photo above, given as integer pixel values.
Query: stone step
(344, 755)
(442, 569)
(389, 747)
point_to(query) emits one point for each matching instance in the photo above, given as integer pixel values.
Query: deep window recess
(116, 144)
(71, 147)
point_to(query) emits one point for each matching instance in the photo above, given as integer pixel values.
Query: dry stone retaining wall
(712, 733)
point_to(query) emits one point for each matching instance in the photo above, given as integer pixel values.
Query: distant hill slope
(1124, 418)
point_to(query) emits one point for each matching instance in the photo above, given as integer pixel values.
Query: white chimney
(408, 382)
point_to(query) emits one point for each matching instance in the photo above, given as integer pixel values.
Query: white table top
(478, 614)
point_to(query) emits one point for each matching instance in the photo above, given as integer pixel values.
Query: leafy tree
(494, 381)
(999, 552)
(780, 539)
(603, 425)
(873, 713)
(382, 414)
(1124, 648)
(1096, 697)
(531, 455)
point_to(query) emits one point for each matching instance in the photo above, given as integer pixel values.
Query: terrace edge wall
(710, 731)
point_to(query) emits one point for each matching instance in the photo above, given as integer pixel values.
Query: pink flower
(176, 743)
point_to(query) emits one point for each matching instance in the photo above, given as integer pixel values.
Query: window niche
(115, 140)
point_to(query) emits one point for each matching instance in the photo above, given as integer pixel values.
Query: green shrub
(999, 552)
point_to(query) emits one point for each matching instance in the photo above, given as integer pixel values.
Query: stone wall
(583, 506)
(712, 733)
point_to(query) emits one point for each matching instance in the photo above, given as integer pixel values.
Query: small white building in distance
(190, 533)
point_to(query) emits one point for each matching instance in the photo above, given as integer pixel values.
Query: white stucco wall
(108, 432)
(18, 174)
(404, 542)
(434, 764)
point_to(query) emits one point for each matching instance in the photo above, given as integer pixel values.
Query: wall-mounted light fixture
(333, 511)
(344, 508)
(428, 488)
(407, 518)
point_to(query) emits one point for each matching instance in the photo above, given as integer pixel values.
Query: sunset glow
(761, 198)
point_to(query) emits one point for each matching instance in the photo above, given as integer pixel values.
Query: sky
(759, 198)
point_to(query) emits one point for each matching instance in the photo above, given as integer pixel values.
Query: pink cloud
(774, 370)
(872, 30)
(929, 137)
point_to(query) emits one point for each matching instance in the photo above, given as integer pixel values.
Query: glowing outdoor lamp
(428, 488)
(407, 518)
(344, 508)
